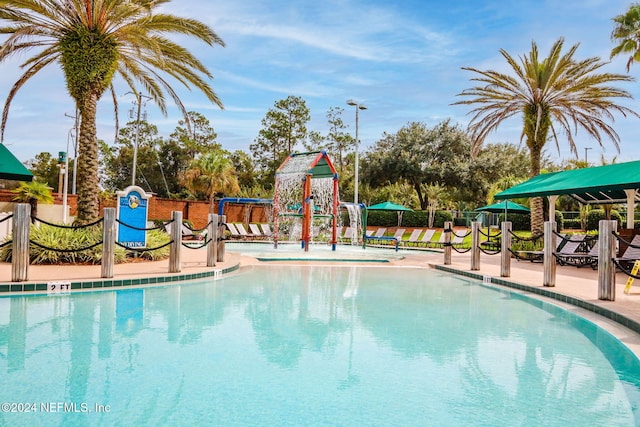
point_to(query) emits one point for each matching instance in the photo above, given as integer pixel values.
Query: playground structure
(306, 191)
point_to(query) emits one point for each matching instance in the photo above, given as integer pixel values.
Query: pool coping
(546, 292)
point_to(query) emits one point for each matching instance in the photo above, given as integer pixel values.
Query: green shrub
(572, 224)
(596, 215)
(409, 219)
(71, 239)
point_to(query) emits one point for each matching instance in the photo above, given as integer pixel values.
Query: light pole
(586, 150)
(140, 100)
(355, 178)
(65, 190)
(76, 119)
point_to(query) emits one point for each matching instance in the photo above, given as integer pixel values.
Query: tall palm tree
(211, 174)
(627, 33)
(93, 41)
(557, 93)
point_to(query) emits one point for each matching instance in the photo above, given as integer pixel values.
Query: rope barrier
(189, 246)
(198, 230)
(156, 227)
(625, 270)
(65, 250)
(143, 249)
(7, 243)
(6, 218)
(72, 227)
(489, 251)
(621, 239)
(457, 235)
(526, 239)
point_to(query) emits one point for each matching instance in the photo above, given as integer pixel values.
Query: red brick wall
(160, 209)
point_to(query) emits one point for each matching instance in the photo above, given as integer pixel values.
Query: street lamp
(140, 101)
(586, 150)
(355, 179)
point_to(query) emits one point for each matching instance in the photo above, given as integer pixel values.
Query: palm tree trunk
(88, 185)
(537, 205)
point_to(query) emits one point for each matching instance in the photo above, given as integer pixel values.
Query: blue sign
(132, 216)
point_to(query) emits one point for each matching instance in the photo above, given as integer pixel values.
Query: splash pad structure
(306, 191)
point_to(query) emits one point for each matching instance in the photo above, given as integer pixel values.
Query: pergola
(616, 183)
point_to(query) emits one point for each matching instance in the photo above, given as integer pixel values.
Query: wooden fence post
(448, 225)
(505, 246)
(475, 246)
(606, 266)
(20, 248)
(549, 258)
(212, 246)
(108, 242)
(175, 249)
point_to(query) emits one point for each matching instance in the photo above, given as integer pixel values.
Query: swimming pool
(264, 251)
(311, 345)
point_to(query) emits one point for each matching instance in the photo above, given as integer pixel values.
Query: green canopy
(11, 168)
(599, 185)
(504, 206)
(388, 206)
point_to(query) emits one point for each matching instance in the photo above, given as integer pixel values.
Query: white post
(212, 246)
(20, 248)
(448, 226)
(175, 260)
(505, 246)
(475, 246)
(108, 242)
(606, 266)
(549, 259)
(631, 202)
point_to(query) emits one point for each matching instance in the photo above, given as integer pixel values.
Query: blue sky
(401, 59)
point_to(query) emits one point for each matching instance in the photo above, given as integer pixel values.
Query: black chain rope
(205, 243)
(156, 227)
(198, 230)
(625, 270)
(7, 243)
(621, 239)
(525, 239)
(73, 227)
(459, 250)
(451, 230)
(144, 249)
(65, 250)
(489, 251)
(7, 218)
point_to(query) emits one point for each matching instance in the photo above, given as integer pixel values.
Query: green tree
(33, 192)
(196, 135)
(92, 41)
(210, 175)
(284, 127)
(339, 142)
(419, 155)
(45, 168)
(552, 94)
(627, 34)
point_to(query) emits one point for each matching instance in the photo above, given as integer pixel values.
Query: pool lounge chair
(631, 254)
(266, 229)
(572, 246)
(235, 234)
(427, 238)
(256, 232)
(577, 258)
(243, 232)
(413, 238)
(538, 256)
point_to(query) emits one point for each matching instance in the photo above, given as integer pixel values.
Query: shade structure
(391, 207)
(504, 206)
(600, 184)
(388, 206)
(11, 168)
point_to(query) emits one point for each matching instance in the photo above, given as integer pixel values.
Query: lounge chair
(631, 254)
(266, 229)
(427, 238)
(235, 234)
(256, 232)
(379, 232)
(577, 258)
(538, 256)
(243, 232)
(571, 247)
(413, 238)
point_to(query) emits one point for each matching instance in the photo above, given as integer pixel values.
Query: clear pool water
(310, 345)
(264, 251)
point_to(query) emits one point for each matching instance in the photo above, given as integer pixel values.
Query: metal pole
(135, 144)
(65, 188)
(355, 185)
(505, 245)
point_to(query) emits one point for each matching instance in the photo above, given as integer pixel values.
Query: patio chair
(243, 232)
(413, 238)
(631, 254)
(571, 247)
(235, 234)
(427, 237)
(379, 232)
(266, 229)
(579, 259)
(256, 232)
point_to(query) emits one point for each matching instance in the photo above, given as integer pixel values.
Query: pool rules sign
(132, 217)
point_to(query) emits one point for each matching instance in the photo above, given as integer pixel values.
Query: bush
(409, 219)
(596, 215)
(71, 239)
(572, 224)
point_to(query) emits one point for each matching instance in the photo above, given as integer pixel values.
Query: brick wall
(160, 209)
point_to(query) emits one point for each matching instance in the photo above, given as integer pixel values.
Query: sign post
(132, 215)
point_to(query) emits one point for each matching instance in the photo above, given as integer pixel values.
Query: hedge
(409, 219)
(594, 217)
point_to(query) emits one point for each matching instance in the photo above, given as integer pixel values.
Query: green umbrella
(504, 206)
(390, 206)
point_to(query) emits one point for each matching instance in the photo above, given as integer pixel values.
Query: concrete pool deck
(576, 288)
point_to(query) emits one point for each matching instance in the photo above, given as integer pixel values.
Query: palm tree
(33, 192)
(557, 93)
(93, 41)
(627, 33)
(211, 174)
